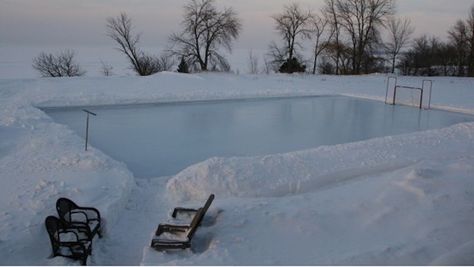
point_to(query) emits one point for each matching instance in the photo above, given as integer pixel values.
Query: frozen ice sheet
(162, 139)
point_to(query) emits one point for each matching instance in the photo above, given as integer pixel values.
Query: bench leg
(99, 233)
(84, 260)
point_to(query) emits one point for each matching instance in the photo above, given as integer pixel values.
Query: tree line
(429, 56)
(345, 37)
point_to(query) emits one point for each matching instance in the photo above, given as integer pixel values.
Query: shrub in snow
(59, 65)
(183, 66)
(292, 65)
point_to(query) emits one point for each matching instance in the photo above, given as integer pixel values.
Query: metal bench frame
(163, 244)
(79, 249)
(66, 208)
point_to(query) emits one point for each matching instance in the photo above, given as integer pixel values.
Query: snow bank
(310, 170)
(41, 161)
(419, 214)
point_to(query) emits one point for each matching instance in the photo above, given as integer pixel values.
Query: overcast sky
(82, 22)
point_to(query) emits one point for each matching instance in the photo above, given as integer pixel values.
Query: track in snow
(124, 241)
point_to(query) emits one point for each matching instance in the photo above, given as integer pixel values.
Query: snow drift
(306, 171)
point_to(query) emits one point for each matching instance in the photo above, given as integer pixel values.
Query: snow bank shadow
(211, 217)
(201, 243)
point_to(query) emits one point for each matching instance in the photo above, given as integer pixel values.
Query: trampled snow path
(124, 241)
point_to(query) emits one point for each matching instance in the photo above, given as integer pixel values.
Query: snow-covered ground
(406, 199)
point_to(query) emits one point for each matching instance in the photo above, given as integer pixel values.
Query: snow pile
(420, 214)
(41, 161)
(41, 165)
(307, 171)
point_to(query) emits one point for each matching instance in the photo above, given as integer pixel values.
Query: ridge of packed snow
(310, 170)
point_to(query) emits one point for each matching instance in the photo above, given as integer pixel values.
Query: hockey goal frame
(425, 91)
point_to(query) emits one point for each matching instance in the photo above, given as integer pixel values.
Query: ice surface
(161, 140)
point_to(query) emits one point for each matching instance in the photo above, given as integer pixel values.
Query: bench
(68, 242)
(170, 236)
(73, 215)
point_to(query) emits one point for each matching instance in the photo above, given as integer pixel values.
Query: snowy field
(397, 200)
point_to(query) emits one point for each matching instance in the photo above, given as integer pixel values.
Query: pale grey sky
(82, 22)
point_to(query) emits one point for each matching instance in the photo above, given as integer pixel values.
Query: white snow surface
(406, 199)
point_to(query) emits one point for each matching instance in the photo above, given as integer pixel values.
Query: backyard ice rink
(158, 140)
(396, 200)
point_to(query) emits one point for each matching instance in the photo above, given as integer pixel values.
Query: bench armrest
(89, 213)
(180, 209)
(169, 228)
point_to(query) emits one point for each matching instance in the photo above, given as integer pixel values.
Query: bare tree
(470, 37)
(361, 19)
(276, 56)
(292, 25)
(166, 62)
(459, 39)
(106, 69)
(433, 57)
(119, 29)
(318, 29)
(337, 53)
(59, 65)
(399, 31)
(205, 30)
(333, 19)
(253, 63)
(267, 65)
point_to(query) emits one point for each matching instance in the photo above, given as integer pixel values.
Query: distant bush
(326, 67)
(148, 64)
(59, 65)
(292, 65)
(183, 66)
